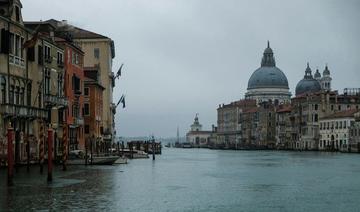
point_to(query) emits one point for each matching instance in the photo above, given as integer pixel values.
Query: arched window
(17, 92)
(22, 93)
(3, 89)
(28, 94)
(11, 92)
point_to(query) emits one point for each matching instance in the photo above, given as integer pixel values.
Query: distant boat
(186, 145)
(168, 145)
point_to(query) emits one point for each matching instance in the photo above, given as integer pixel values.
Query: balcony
(23, 111)
(55, 100)
(78, 121)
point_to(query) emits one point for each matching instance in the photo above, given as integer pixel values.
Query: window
(22, 96)
(28, 94)
(87, 129)
(48, 54)
(332, 107)
(3, 90)
(17, 45)
(47, 80)
(339, 107)
(97, 53)
(344, 124)
(11, 94)
(60, 60)
(86, 109)
(17, 95)
(12, 43)
(86, 91)
(316, 107)
(17, 13)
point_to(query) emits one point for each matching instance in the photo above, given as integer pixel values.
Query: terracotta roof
(76, 32)
(284, 109)
(342, 114)
(240, 103)
(251, 110)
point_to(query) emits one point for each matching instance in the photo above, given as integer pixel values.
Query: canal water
(195, 180)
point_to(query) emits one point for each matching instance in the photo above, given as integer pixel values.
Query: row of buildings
(53, 75)
(316, 118)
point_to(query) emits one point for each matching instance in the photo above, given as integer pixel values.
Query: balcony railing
(23, 111)
(78, 121)
(55, 100)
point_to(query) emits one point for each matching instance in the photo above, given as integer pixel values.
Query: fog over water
(184, 57)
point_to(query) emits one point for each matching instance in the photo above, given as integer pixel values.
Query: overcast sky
(184, 57)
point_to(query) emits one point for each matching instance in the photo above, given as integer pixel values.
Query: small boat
(77, 157)
(103, 160)
(121, 160)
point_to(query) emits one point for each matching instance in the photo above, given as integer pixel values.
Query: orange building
(93, 93)
(74, 83)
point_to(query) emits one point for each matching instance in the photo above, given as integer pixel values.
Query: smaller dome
(326, 71)
(317, 74)
(308, 84)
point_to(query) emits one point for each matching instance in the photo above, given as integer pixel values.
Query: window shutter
(31, 54)
(5, 41)
(40, 55)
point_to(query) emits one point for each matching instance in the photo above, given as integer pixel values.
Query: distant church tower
(196, 126)
(326, 79)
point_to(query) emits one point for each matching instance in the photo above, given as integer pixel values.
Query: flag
(118, 74)
(121, 100)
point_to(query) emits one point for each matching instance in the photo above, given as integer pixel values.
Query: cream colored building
(335, 130)
(31, 77)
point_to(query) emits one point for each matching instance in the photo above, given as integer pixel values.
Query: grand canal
(195, 180)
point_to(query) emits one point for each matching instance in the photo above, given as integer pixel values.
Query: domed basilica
(268, 82)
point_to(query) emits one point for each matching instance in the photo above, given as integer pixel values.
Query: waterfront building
(249, 121)
(284, 127)
(72, 61)
(31, 81)
(268, 82)
(229, 126)
(354, 140)
(196, 136)
(99, 52)
(93, 92)
(335, 130)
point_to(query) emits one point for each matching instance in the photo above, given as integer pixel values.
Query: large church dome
(268, 75)
(268, 83)
(308, 84)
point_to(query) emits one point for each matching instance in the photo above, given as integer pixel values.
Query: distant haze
(184, 57)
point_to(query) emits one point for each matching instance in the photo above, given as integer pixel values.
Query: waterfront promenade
(195, 180)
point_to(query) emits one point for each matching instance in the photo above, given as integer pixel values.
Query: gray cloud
(187, 56)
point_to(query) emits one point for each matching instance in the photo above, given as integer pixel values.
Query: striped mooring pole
(64, 150)
(10, 155)
(41, 146)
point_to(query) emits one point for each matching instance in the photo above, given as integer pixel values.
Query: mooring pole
(41, 138)
(10, 139)
(50, 147)
(86, 151)
(64, 149)
(27, 147)
(153, 148)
